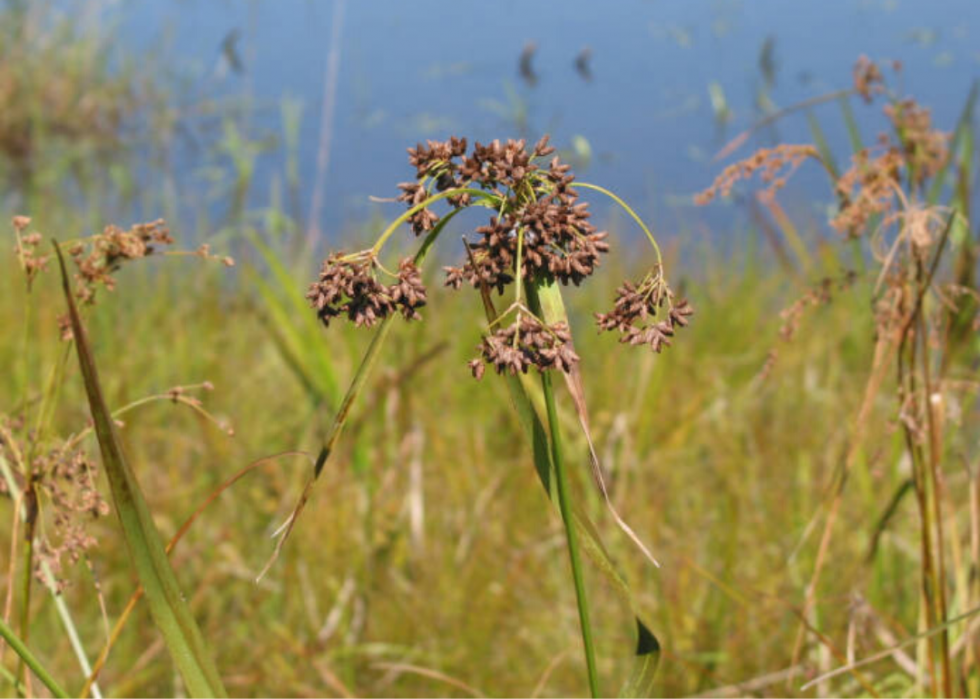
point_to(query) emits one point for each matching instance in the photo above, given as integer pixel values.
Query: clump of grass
(52, 479)
(889, 199)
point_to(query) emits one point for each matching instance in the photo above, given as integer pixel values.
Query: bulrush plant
(51, 478)
(538, 238)
(922, 298)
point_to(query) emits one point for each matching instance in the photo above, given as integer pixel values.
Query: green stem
(456, 191)
(27, 573)
(566, 514)
(32, 662)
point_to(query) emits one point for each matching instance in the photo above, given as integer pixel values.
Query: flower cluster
(527, 342)
(539, 231)
(59, 482)
(68, 479)
(32, 263)
(349, 284)
(925, 149)
(868, 188)
(872, 186)
(776, 166)
(541, 220)
(868, 79)
(635, 313)
(99, 257)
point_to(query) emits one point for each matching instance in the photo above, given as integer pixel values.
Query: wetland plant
(538, 238)
(922, 291)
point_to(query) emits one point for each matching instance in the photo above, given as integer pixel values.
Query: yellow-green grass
(718, 469)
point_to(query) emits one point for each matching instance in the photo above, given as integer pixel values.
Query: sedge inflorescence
(349, 285)
(872, 187)
(98, 257)
(539, 232)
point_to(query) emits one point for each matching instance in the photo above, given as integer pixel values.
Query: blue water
(427, 69)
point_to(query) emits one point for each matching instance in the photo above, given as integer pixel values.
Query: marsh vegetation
(240, 459)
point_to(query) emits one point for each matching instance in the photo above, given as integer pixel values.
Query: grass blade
(820, 140)
(964, 123)
(30, 660)
(553, 311)
(167, 604)
(353, 391)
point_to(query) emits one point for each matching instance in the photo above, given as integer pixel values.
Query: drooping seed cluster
(870, 188)
(349, 285)
(97, 257)
(776, 166)
(821, 294)
(527, 342)
(68, 480)
(646, 314)
(63, 485)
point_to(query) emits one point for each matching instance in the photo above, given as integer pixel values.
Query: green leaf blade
(167, 604)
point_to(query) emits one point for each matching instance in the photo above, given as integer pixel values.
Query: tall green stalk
(564, 505)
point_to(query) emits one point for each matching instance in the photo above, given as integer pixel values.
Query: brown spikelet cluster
(527, 342)
(646, 313)
(27, 249)
(58, 487)
(868, 79)
(348, 284)
(867, 188)
(924, 148)
(539, 232)
(872, 186)
(542, 217)
(66, 478)
(774, 165)
(97, 258)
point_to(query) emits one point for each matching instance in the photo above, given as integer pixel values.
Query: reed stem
(564, 505)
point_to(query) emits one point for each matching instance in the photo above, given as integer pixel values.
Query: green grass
(708, 463)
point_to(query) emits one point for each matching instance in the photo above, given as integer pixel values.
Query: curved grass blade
(30, 660)
(640, 681)
(964, 124)
(343, 413)
(167, 604)
(174, 540)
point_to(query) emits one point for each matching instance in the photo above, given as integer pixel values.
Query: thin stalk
(935, 484)
(32, 662)
(564, 505)
(27, 574)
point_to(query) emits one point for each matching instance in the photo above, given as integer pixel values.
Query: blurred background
(313, 103)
